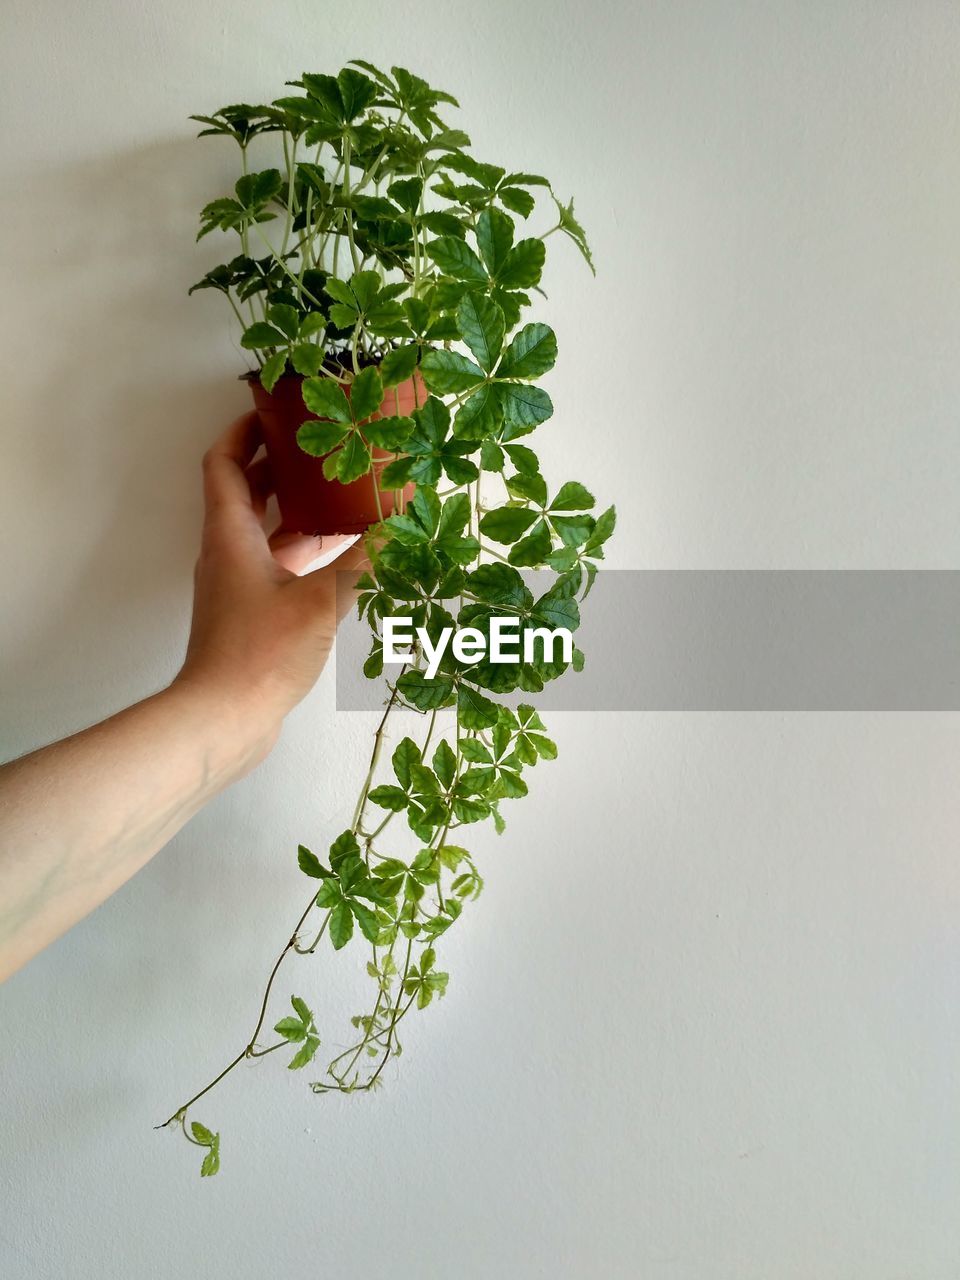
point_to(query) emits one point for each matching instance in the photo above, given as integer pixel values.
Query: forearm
(80, 817)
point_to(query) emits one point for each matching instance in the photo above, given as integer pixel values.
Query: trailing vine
(380, 250)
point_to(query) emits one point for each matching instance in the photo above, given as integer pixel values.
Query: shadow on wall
(112, 389)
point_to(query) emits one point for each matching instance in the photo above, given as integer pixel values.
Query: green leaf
(285, 318)
(340, 292)
(572, 497)
(201, 1134)
(423, 780)
(312, 324)
(260, 335)
(352, 872)
(449, 371)
(407, 753)
(494, 238)
(523, 265)
(545, 748)
(302, 1010)
(482, 328)
(470, 808)
(604, 527)
(325, 398)
(317, 437)
(366, 919)
(387, 433)
(454, 258)
(426, 694)
(387, 320)
(460, 470)
(306, 1051)
(211, 1161)
(417, 311)
(341, 925)
(573, 530)
(474, 711)
(532, 487)
(558, 611)
(373, 666)
(366, 394)
(406, 192)
(407, 530)
(480, 415)
(459, 550)
(309, 863)
(398, 365)
(433, 420)
(354, 460)
(511, 785)
(426, 507)
(329, 893)
(365, 286)
(522, 405)
(491, 456)
(331, 465)
(571, 227)
(526, 180)
(518, 200)
(445, 763)
(472, 749)
(499, 584)
(396, 474)
(533, 549)
(306, 358)
(388, 797)
(291, 1029)
(451, 855)
(454, 516)
(346, 845)
(477, 781)
(532, 353)
(565, 560)
(524, 459)
(273, 369)
(257, 188)
(342, 317)
(507, 524)
(357, 92)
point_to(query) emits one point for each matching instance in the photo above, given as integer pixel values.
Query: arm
(80, 817)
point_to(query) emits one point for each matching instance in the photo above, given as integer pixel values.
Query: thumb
(337, 581)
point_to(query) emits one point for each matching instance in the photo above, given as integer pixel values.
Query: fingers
(295, 551)
(260, 482)
(224, 482)
(338, 580)
(299, 551)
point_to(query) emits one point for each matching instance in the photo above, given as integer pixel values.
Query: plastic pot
(308, 501)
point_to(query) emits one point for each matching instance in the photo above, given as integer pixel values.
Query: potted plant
(381, 285)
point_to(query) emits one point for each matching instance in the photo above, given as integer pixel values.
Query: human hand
(261, 633)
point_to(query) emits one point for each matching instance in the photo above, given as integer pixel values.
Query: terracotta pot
(308, 501)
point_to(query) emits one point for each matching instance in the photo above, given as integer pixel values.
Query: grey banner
(742, 640)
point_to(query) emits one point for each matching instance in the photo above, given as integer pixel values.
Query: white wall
(705, 1021)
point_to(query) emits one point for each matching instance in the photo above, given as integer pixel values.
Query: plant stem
(375, 756)
(247, 1051)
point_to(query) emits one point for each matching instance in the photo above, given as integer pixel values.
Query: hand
(261, 633)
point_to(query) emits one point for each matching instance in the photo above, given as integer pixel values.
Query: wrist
(234, 735)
